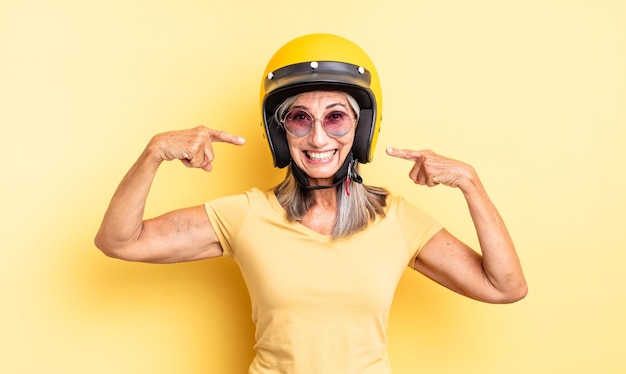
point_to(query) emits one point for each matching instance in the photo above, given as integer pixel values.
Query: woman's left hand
(495, 275)
(431, 169)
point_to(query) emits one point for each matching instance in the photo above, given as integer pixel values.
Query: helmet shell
(321, 62)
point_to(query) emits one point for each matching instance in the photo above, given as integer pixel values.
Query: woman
(321, 253)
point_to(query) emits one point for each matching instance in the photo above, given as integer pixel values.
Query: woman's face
(318, 154)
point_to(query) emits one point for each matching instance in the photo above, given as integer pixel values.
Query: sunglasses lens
(298, 122)
(337, 123)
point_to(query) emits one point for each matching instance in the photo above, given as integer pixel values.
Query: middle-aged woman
(321, 253)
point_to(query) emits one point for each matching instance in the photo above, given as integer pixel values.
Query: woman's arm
(496, 276)
(181, 235)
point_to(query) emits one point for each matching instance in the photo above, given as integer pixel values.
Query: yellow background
(532, 93)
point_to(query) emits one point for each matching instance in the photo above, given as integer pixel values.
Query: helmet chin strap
(345, 174)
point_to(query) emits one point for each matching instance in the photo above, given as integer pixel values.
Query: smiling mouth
(320, 156)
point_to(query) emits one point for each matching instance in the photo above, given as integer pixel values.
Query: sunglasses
(299, 122)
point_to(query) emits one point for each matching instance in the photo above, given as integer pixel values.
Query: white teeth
(320, 156)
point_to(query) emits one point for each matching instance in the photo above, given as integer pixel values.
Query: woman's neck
(322, 215)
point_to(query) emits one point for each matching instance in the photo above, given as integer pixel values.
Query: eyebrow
(330, 106)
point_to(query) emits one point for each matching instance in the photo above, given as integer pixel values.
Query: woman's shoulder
(256, 198)
(394, 200)
(400, 204)
(247, 197)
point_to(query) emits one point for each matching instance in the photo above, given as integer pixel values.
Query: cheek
(294, 146)
(347, 143)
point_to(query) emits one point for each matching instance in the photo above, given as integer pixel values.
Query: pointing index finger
(403, 153)
(226, 137)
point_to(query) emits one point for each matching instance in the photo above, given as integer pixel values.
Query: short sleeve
(227, 215)
(418, 227)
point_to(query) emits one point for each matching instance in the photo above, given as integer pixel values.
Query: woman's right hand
(193, 147)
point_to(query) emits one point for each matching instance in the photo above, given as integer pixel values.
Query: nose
(317, 136)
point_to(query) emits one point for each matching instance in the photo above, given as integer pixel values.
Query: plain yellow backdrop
(532, 93)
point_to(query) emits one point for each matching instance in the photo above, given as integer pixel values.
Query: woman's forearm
(501, 263)
(123, 220)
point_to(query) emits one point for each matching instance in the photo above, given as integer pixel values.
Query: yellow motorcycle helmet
(321, 62)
